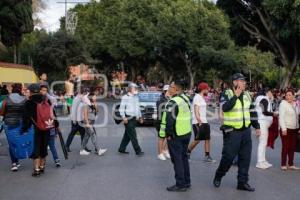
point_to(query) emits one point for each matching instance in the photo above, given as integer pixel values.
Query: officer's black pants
(130, 135)
(236, 143)
(178, 150)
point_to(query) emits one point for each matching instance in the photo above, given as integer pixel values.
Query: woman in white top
(289, 125)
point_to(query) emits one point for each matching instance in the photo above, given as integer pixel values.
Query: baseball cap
(203, 86)
(166, 87)
(238, 76)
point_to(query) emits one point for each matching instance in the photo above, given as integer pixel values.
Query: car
(148, 106)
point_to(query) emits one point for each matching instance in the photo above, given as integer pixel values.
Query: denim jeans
(12, 156)
(52, 147)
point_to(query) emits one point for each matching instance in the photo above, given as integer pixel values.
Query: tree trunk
(133, 73)
(15, 54)
(170, 79)
(288, 76)
(122, 66)
(190, 74)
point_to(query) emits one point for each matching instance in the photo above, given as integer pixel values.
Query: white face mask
(135, 92)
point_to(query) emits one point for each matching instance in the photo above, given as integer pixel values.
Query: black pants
(75, 128)
(236, 143)
(130, 135)
(41, 141)
(178, 150)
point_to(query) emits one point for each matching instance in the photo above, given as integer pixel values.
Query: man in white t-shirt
(201, 127)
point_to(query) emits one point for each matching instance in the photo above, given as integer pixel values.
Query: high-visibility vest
(183, 120)
(162, 130)
(239, 113)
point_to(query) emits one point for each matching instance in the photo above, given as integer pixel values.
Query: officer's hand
(238, 91)
(284, 133)
(258, 132)
(125, 120)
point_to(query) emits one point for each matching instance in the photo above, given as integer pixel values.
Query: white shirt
(130, 105)
(199, 101)
(74, 108)
(261, 117)
(288, 115)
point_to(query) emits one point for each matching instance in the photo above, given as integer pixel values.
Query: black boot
(245, 187)
(175, 188)
(217, 181)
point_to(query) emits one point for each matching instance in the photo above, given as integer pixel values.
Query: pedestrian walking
(201, 127)
(76, 119)
(12, 111)
(39, 113)
(130, 113)
(89, 112)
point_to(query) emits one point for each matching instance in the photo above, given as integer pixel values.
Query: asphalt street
(128, 177)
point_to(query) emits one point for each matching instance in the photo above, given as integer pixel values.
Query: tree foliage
(54, 52)
(270, 25)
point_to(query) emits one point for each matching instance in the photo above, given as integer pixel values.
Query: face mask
(135, 92)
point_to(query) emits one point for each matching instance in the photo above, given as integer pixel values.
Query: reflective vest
(239, 113)
(162, 130)
(183, 121)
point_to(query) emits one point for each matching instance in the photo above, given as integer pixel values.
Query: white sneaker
(293, 168)
(267, 164)
(101, 152)
(14, 167)
(161, 157)
(167, 154)
(84, 153)
(261, 165)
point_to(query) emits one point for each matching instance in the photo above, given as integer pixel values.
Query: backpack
(44, 116)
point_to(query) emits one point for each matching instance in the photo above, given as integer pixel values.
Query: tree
(118, 29)
(188, 28)
(270, 25)
(15, 20)
(54, 53)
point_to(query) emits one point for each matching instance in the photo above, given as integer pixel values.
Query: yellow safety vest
(239, 113)
(183, 121)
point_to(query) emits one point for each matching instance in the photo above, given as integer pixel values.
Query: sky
(55, 9)
(53, 12)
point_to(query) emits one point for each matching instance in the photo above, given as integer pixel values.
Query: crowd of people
(272, 113)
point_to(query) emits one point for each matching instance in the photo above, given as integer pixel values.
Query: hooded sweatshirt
(14, 109)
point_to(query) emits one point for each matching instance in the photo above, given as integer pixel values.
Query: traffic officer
(130, 112)
(178, 133)
(239, 114)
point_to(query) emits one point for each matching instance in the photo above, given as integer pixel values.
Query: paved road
(115, 177)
